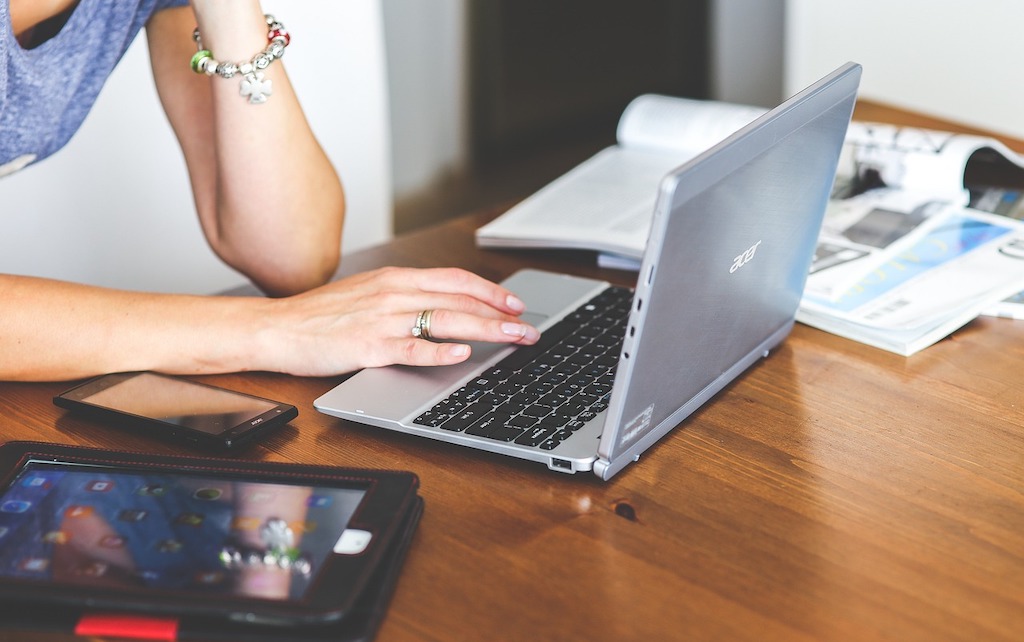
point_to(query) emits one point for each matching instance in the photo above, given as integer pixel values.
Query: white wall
(426, 50)
(747, 51)
(114, 207)
(948, 58)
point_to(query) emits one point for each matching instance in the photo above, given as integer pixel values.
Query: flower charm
(256, 88)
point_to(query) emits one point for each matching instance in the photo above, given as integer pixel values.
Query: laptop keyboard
(540, 395)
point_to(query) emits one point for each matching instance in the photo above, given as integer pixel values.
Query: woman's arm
(51, 330)
(269, 201)
(261, 181)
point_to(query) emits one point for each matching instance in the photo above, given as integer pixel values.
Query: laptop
(732, 239)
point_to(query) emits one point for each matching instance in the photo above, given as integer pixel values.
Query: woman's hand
(366, 320)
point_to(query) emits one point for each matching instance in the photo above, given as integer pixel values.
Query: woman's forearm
(269, 200)
(51, 330)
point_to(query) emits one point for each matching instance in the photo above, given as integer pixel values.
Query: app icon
(245, 523)
(3, 531)
(169, 546)
(132, 515)
(78, 511)
(99, 486)
(319, 501)
(34, 564)
(36, 481)
(208, 494)
(56, 537)
(303, 527)
(260, 497)
(152, 490)
(190, 519)
(15, 506)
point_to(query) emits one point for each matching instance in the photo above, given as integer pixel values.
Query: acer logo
(744, 258)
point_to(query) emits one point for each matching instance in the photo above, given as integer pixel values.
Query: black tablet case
(359, 625)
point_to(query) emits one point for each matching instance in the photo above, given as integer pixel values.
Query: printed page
(604, 204)
(889, 181)
(964, 263)
(657, 122)
(607, 202)
(1008, 203)
(864, 231)
(923, 160)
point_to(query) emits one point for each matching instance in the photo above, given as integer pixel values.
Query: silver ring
(421, 330)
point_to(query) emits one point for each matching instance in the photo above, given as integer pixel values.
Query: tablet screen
(99, 526)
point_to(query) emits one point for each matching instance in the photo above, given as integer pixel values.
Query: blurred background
(434, 108)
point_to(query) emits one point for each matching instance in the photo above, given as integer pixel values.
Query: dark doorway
(546, 73)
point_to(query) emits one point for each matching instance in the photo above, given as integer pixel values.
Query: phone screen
(98, 526)
(180, 402)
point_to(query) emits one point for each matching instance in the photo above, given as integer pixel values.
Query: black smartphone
(99, 531)
(198, 414)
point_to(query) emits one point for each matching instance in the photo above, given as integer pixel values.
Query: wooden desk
(835, 492)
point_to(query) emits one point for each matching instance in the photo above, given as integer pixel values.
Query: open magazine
(923, 233)
(939, 279)
(890, 183)
(606, 203)
(900, 194)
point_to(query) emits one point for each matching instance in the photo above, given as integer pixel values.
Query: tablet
(245, 541)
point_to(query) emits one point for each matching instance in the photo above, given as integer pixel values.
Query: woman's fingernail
(459, 350)
(514, 329)
(515, 303)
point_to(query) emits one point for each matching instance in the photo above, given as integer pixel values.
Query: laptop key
(430, 418)
(557, 438)
(466, 418)
(535, 436)
(504, 433)
(488, 424)
(522, 421)
(537, 410)
(555, 420)
(525, 354)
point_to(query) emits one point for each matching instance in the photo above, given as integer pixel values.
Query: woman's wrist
(231, 29)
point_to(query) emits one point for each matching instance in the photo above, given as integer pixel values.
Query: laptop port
(561, 464)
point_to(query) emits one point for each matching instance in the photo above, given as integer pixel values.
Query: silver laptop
(732, 238)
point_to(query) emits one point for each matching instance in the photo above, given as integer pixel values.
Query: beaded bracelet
(253, 86)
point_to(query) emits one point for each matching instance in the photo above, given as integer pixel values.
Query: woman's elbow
(299, 272)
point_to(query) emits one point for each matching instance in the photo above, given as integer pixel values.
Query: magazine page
(966, 261)
(606, 203)
(862, 232)
(940, 166)
(656, 122)
(1009, 203)
(921, 160)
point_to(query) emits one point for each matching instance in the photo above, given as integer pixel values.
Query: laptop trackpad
(395, 392)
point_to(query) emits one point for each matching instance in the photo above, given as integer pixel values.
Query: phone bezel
(230, 438)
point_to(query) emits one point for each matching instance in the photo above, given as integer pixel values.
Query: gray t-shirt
(46, 92)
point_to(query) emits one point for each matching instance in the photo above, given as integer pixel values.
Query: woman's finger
(440, 323)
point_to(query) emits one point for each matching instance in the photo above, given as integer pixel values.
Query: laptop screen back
(732, 241)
